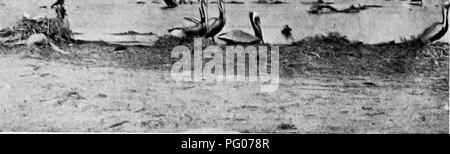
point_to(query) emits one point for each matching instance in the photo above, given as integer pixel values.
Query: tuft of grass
(335, 54)
(54, 28)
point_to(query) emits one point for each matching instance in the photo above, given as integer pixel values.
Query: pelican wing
(195, 21)
(429, 33)
(189, 31)
(238, 37)
(215, 26)
(212, 21)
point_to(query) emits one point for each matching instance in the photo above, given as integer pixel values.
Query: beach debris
(423, 118)
(367, 108)
(316, 2)
(325, 8)
(100, 95)
(140, 110)
(131, 90)
(36, 40)
(34, 67)
(75, 95)
(56, 29)
(38, 31)
(369, 84)
(117, 124)
(230, 2)
(270, 2)
(286, 126)
(131, 32)
(416, 2)
(27, 75)
(373, 113)
(140, 2)
(70, 95)
(44, 74)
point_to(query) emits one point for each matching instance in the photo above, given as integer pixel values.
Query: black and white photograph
(224, 67)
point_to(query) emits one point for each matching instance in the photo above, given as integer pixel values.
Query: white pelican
(241, 37)
(438, 29)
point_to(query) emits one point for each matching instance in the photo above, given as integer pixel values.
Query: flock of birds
(210, 27)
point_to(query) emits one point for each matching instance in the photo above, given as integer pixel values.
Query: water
(97, 19)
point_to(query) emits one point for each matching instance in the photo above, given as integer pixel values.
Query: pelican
(215, 24)
(241, 37)
(60, 10)
(322, 8)
(57, 3)
(438, 29)
(204, 5)
(197, 30)
(170, 3)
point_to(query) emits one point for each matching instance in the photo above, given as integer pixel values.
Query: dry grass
(323, 90)
(55, 29)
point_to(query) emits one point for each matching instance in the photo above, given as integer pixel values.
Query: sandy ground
(39, 95)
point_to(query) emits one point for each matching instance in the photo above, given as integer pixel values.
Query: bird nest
(55, 29)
